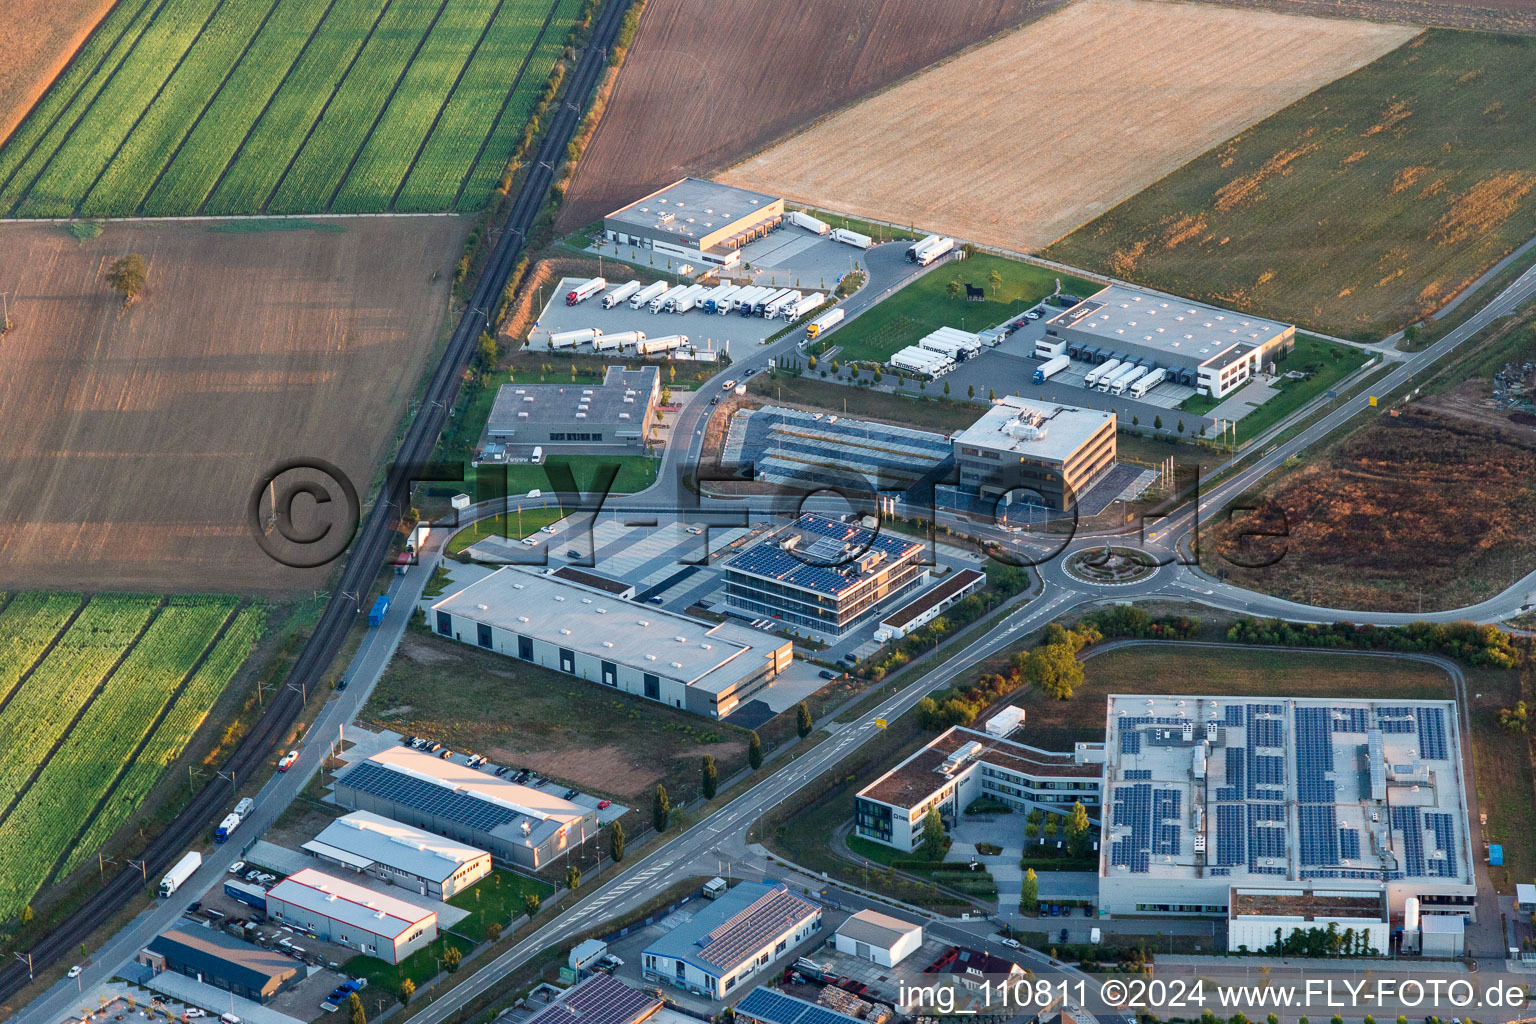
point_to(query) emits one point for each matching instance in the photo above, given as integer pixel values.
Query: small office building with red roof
(348, 914)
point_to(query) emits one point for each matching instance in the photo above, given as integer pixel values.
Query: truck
(651, 346)
(245, 892)
(702, 302)
(585, 291)
(747, 298)
(619, 294)
(778, 305)
(245, 807)
(928, 253)
(1125, 373)
(570, 339)
(824, 322)
(617, 339)
(921, 243)
(176, 877)
(811, 224)
(852, 238)
(645, 295)
(801, 306)
(1095, 936)
(721, 302)
(715, 888)
(378, 611)
(228, 825)
(1050, 368)
(1142, 385)
(762, 304)
(685, 300)
(1125, 380)
(1093, 376)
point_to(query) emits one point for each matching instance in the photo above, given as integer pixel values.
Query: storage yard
(288, 106)
(924, 153)
(167, 414)
(705, 84)
(625, 330)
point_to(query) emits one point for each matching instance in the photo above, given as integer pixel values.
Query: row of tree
(1466, 641)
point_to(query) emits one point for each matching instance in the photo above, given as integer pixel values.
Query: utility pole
(26, 958)
(101, 864)
(143, 867)
(192, 772)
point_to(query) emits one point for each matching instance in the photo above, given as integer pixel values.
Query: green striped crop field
(247, 107)
(97, 697)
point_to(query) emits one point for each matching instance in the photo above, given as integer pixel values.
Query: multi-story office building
(1035, 452)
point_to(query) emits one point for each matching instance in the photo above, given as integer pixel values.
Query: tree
(811, 362)
(946, 387)
(616, 841)
(25, 917)
(493, 931)
(1079, 831)
(803, 722)
(934, 837)
(666, 396)
(1411, 333)
(754, 750)
(531, 904)
(355, 1012)
(996, 281)
(709, 781)
(1029, 895)
(1181, 425)
(970, 391)
(407, 989)
(572, 877)
(1135, 421)
(877, 375)
(1157, 422)
(661, 809)
(954, 288)
(452, 958)
(991, 395)
(128, 277)
(486, 354)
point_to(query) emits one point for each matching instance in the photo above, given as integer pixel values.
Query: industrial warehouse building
(518, 825)
(822, 574)
(738, 935)
(429, 864)
(930, 604)
(707, 668)
(1306, 798)
(961, 765)
(344, 912)
(220, 960)
(1257, 918)
(616, 413)
(1212, 350)
(693, 219)
(1036, 452)
(879, 938)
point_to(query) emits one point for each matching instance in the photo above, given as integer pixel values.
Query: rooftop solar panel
(727, 946)
(770, 1007)
(463, 808)
(600, 999)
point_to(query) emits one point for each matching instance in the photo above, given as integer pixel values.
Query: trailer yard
(705, 332)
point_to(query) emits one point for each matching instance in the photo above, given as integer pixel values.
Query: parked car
(827, 673)
(1063, 935)
(572, 554)
(1033, 314)
(658, 599)
(1011, 943)
(547, 529)
(502, 771)
(445, 754)
(603, 805)
(74, 972)
(572, 794)
(194, 1011)
(237, 867)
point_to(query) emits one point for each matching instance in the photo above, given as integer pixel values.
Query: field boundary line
(53, 748)
(42, 656)
(192, 218)
(262, 113)
(340, 81)
(117, 151)
(70, 131)
(78, 89)
(86, 820)
(506, 101)
(405, 69)
(427, 137)
(218, 90)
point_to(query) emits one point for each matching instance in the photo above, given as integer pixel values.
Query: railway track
(371, 543)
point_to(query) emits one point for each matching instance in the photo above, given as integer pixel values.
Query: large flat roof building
(963, 764)
(738, 935)
(1210, 349)
(516, 824)
(822, 574)
(427, 863)
(707, 668)
(345, 913)
(223, 961)
(695, 219)
(619, 411)
(1312, 796)
(1035, 451)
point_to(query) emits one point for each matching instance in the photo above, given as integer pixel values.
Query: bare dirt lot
(1016, 143)
(706, 83)
(134, 438)
(37, 38)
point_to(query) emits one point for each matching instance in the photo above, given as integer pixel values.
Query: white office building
(424, 862)
(347, 914)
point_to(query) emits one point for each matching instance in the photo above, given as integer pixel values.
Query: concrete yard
(705, 332)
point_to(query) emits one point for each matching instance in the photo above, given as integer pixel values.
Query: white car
(237, 867)
(547, 529)
(1033, 314)
(193, 1011)
(287, 761)
(74, 972)
(1010, 943)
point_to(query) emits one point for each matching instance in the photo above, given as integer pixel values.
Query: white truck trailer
(811, 224)
(825, 322)
(921, 243)
(761, 305)
(702, 303)
(176, 877)
(659, 302)
(1045, 348)
(801, 306)
(680, 300)
(721, 303)
(777, 306)
(644, 296)
(852, 238)
(1124, 381)
(1125, 374)
(585, 291)
(1051, 367)
(1142, 385)
(570, 339)
(747, 298)
(922, 360)
(651, 346)
(619, 294)
(932, 251)
(618, 339)
(1093, 376)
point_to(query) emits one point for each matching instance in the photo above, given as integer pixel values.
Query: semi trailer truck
(176, 877)
(811, 224)
(1125, 373)
(1142, 385)
(928, 253)
(853, 238)
(801, 306)
(824, 322)
(1093, 376)
(1125, 380)
(618, 339)
(745, 298)
(619, 294)
(778, 305)
(760, 307)
(921, 243)
(570, 339)
(722, 302)
(228, 825)
(585, 291)
(644, 296)
(651, 346)
(1050, 368)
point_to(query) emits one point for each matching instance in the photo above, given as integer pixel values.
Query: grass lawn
(1355, 210)
(878, 232)
(1325, 362)
(384, 978)
(1506, 790)
(924, 306)
(514, 525)
(498, 897)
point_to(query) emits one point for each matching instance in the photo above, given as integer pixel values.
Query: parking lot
(706, 332)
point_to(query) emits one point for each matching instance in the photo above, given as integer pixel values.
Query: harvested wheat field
(1018, 142)
(135, 437)
(706, 83)
(38, 38)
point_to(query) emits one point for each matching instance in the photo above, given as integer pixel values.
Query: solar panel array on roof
(1133, 808)
(1349, 844)
(467, 810)
(1314, 756)
(1351, 719)
(1432, 740)
(748, 931)
(770, 1007)
(767, 559)
(1411, 850)
(1318, 826)
(1130, 742)
(600, 999)
(1230, 844)
(1138, 775)
(1235, 715)
(1395, 719)
(1265, 727)
(1444, 827)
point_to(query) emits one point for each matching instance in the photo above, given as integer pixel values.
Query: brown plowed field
(37, 38)
(1019, 141)
(134, 438)
(705, 82)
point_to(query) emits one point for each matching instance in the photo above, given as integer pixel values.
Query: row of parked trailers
(816, 226)
(937, 353)
(925, 250)
(746, 300)
(633, 340)
(1114, 376)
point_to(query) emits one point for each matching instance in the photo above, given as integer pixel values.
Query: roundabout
(1110, 566)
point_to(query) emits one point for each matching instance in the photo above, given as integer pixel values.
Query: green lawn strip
(384, 978)
(281, 128)
(336, 139)
(386, 156)
(173, 733)
(513, 526)
(496, 898)
(80, 159)
(925, 305)
(262, 225)
(36, 835)
(635, 473)
(1325, 362)
(217, 137)
(27, 626)
(878, 232)
(434, 181)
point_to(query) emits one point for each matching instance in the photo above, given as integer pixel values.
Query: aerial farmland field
(97, 697)
(290, 106)
(1016, 143)
(1356, 210)
(38, 38)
